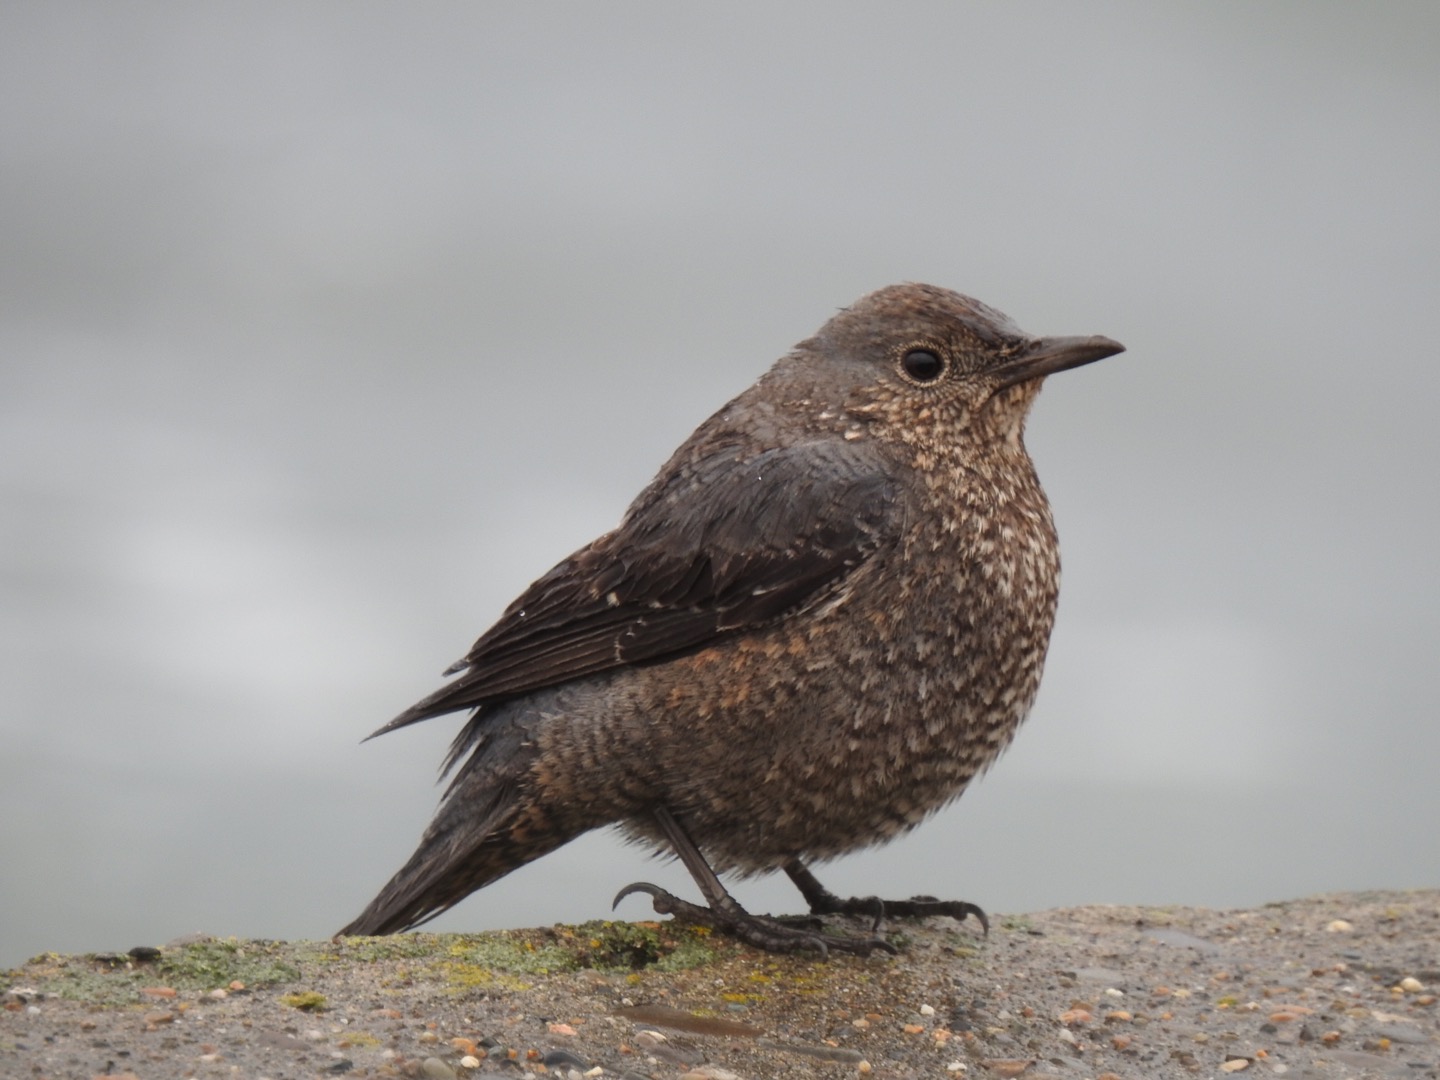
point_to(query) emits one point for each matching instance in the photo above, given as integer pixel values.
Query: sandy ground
(1333, 986)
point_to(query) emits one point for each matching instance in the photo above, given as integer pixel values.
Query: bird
(820, 621)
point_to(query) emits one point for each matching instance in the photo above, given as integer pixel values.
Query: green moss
(110, 979)
(460, 977)
(206, 965)
(509, 950)
(603, 945)
(306, 1000)
(393, 947)
(360, 1040)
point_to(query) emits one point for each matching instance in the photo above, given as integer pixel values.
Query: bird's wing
(720, 546)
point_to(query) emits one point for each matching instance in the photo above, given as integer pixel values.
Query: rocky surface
(1333, 986)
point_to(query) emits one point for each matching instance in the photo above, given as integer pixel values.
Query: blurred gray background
(327, 328)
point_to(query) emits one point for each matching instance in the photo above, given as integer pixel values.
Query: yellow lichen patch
(307, 1000)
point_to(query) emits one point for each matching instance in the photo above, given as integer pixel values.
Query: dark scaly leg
(724, 912)
(823, 902)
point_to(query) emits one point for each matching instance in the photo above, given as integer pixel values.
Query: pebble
(1235, 1065)
(469, 1061)
(824, 1053)
(436, 1069)
(1340, 926)
(1400, 1033)
(563, 1057)
(1411, 985)
(1007, 1067)
(929, 1010)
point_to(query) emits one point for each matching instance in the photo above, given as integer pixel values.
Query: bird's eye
(922, 365)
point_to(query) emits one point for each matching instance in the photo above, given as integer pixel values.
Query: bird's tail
(489, 824)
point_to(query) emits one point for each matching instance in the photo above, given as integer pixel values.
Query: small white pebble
(957, 1067)
(1066, 1035)
(1340, 926)
(315, 1035)
(218, 995)
(1411, 985)
(927, 1010)
(209, 1059)
(32, 1010)
(1112, 992)
(469, 1061)
(864, 1068)
(598, 1070)
(1235, 1065)
(1279, 1068)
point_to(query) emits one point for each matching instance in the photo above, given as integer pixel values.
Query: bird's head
(917, 363)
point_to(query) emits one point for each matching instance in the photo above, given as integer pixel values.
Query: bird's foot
(917, 907)
(823, 902)
(757, 931)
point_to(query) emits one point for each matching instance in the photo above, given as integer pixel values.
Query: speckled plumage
(823, 618)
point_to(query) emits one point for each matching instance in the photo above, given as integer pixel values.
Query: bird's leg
(823, 902)
(724, 912)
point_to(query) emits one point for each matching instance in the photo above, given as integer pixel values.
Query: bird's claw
(652, 891)
(755, 930)
(925, 906)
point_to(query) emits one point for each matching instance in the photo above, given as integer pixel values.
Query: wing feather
(718, 547)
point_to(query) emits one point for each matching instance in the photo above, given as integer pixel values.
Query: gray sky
(328, 328)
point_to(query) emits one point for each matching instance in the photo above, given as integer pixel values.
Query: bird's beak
(1046, 356)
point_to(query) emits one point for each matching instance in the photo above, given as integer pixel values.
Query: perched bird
(822, 619)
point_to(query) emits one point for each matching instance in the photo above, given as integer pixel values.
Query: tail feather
(489, 824)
